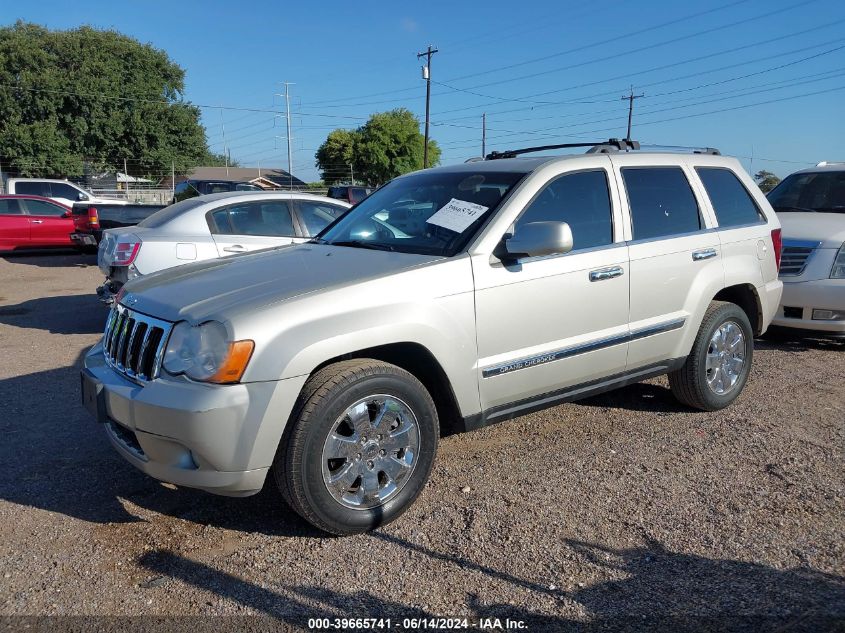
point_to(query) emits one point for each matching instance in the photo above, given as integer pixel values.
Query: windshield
(816, 191)
(429, 213)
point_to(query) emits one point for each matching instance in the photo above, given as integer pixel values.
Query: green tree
(335, 156)
(85, 94)
(766, 180)
(389, 144)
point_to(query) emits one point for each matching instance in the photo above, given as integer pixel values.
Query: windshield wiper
(362, 244)
(801, 209)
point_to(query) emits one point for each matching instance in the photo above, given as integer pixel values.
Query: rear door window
(268, 218)
(30, 188)
(9, 206)
(661, 201)
(732, 203)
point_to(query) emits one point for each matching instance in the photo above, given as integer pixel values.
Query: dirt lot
(622, 511)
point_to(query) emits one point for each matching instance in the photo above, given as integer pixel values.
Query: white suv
(811, 206)
(466, 295)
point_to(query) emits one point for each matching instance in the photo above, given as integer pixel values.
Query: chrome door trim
(705, 253)
(606, 273)
(566, 352)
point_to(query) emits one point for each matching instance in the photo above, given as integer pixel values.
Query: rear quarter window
(731, 201)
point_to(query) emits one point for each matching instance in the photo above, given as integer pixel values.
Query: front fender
(432, 306)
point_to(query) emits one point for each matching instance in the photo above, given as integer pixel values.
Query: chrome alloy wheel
(725, 358)
(370, 452)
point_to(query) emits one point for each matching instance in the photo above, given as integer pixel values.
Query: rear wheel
(718, 366)
(360, 448)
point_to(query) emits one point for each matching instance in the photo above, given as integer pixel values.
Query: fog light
(828, 315)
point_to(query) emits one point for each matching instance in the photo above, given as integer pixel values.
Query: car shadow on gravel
(58, 459)
(64, 314)
(804, 344)
(48, 258)
(660, 590)
(641, 396)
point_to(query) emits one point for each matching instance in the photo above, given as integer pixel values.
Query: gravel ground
(624, 511)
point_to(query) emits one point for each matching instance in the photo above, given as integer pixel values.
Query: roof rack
(689, 148)
(601, 147)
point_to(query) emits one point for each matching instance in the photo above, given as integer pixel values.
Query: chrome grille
(794, 257)
(133, 343)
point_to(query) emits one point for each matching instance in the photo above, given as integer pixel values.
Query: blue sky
(751, 77)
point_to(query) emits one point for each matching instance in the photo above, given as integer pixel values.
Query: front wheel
(718, 366)
(360, 448)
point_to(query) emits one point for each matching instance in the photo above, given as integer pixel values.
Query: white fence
(137, 196)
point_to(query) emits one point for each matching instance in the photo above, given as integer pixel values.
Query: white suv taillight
(838, 269)
(126, 250)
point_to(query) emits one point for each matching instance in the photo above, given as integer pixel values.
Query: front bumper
(800, 298)
(219, 438)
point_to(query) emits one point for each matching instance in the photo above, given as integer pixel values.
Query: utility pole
(352, 173)
(427, 76)
(173, 180)
(225, 149)
(126, 173)
(483, 134)
(630, 99)
(287, 118)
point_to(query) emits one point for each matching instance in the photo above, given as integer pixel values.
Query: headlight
(838, 270)
(204, 353)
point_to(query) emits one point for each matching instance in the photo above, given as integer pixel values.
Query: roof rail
(825, 163)
(602, 147)
(695, 150)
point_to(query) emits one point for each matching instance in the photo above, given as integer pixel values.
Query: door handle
(706, 253)
(606, 273)
(37, 221)
(235, 248)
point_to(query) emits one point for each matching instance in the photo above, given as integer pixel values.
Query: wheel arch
(417, 360)
(747, 298)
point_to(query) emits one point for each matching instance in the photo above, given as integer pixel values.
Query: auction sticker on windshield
(456, 215)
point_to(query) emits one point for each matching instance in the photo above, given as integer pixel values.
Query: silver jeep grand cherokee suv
(469, 294)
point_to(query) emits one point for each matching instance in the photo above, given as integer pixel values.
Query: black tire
(298, 468)
(689, 383)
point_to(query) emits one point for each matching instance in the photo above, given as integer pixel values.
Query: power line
(559, 54)
(679, 78)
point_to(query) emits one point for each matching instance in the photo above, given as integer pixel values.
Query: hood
(218, 288)
(827, 228)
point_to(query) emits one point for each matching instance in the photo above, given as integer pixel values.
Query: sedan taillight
(125, 251)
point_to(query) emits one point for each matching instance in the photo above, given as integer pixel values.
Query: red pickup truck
(34, 222)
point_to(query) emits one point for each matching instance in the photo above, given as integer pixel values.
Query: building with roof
(264, 177)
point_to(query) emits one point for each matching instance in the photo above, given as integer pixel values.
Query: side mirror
(537, 239)
(81, 196)
(67, 214)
